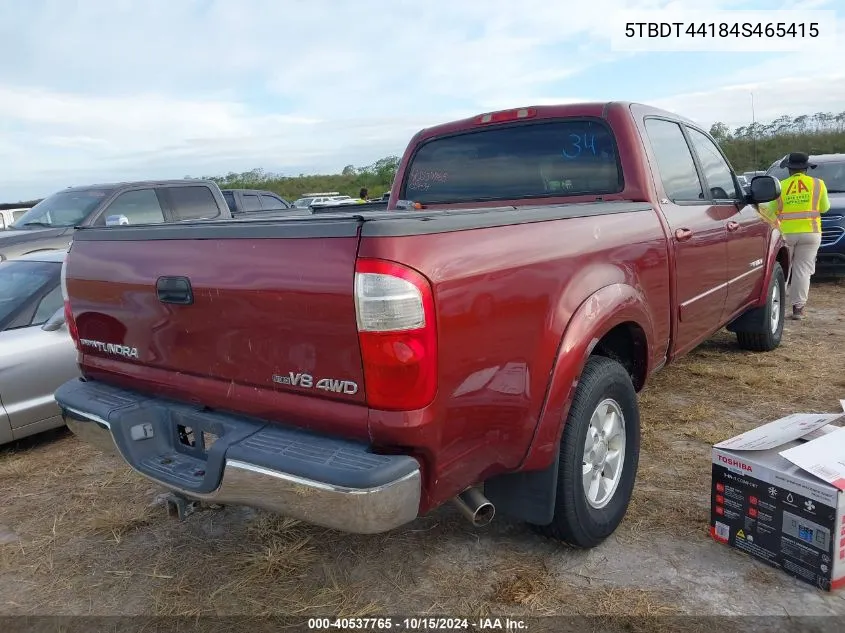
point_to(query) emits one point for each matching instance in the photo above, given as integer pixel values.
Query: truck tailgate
(246, 309)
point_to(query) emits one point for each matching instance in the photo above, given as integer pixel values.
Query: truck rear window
(559, 157)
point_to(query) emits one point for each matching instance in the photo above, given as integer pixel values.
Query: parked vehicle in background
(323, 199)
(246, 201)
(36, 352)
(8, 216)
(744, 183)
(830, 168)
(50, 223)
(363, 367)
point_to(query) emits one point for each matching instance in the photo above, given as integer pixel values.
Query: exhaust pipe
(475, 507)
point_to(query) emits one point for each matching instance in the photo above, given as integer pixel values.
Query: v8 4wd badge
(306, 381)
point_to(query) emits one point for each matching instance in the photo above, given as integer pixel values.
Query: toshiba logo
(730, 461)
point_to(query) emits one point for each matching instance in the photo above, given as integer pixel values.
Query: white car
(7, 216)
(324, 199)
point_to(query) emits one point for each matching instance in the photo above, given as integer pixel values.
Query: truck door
(697, 232)
(747, 235)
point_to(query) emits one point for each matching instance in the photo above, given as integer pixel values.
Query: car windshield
(63, 209)
(832, 172)
(303, 203)
(561, 157)
(20, 281)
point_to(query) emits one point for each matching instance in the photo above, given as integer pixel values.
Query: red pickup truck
(481, 340)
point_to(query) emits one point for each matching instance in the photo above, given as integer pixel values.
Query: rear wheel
(599, 455)
(767, 335)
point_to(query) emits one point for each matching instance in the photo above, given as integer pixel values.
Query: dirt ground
(81, 534)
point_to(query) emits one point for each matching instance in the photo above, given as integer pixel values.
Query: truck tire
(604, 419)
(767, 335)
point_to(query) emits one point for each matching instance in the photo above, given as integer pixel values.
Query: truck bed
(270, 329)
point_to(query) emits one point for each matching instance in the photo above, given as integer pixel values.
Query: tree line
(756, 146)
(376, 178)
(748, 148)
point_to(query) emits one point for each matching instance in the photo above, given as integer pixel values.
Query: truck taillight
(69, 321)
(394, 308)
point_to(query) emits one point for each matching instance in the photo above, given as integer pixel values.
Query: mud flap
(751, 321)
(526, 496)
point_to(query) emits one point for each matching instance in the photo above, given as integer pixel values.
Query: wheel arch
(614, 322)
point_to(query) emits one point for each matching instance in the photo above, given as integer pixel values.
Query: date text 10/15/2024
(417, 624)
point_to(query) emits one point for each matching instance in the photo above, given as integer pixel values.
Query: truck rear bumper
(322, 480)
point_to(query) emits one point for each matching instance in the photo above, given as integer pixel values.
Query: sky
(97, 91)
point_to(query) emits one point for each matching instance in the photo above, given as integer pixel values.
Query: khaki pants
(802, 253)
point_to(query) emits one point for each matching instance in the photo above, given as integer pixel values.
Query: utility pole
(754, 131)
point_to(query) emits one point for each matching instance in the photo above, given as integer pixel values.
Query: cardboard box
(778, 494)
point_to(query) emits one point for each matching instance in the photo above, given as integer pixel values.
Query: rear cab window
(272, 202)
(251, 202)
(551, 158)
(195, 202)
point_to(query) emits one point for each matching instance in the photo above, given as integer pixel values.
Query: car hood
(10, 237)
(837, 201)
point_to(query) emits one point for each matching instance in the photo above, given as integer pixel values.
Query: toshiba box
(779, 494)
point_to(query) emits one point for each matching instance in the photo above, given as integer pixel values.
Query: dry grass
(762, 575)
(719, 391)
(535, 588)
(89, 541)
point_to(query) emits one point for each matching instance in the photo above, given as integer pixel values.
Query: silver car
(37, 354)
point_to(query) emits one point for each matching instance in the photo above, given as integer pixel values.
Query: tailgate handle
(174, 290)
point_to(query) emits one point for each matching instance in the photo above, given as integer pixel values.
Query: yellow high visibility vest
(802, 201)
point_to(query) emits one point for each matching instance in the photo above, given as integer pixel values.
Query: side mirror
(116, 220)
(763, 189)
(55, 322)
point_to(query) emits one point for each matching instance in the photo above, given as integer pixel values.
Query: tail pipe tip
(475, 507)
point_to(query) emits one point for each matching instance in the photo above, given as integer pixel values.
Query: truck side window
(271, 202)
(230, 201)
(192, 203)
(674, 161)
(251, 202)
(717, 173)
(139, 207)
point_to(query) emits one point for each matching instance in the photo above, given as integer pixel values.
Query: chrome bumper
(355, 510)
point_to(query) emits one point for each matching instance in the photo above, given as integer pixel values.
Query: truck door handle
(733, 226)
(682, 235)
(174, 290)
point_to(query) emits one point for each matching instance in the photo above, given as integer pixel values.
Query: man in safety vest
(798, 212)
